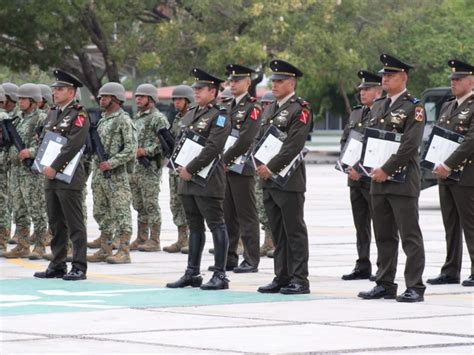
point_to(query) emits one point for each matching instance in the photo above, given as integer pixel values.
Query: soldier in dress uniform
(370, 89)
(209, 120)
(285, 205)
(457, 197)
(64, 201)
(240, 209)
(395, 204)
(183, 97)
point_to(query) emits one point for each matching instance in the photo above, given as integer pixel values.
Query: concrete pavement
(124, 309)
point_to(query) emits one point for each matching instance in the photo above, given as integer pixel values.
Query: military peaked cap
(65, 79)
(368, 79)
(283, 70)
(393, 65)
(201, 79)
(460, 69)
(238, 72)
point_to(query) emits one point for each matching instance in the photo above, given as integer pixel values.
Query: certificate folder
(351, 154)
(378, 147)
(441, 144)
(269, 146)
(189, 147)
(239, 163)
(49, 151)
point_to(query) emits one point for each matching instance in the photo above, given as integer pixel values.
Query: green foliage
(329, 40)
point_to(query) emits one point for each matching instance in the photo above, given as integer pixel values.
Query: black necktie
(455, 105)
(388, 101)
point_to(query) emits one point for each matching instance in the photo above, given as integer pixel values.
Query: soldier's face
(282, 88)
(141, 101)
(204, 95)
(25, 104)
(393, 83)
(179, 104)
(105, 101)
(2, 104)
(368, 95)
(461, 87)
(239, 87)
(63, 95)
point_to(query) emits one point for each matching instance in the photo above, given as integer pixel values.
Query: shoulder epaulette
(77, 106)
(302, 102)
(191, 107)
(381, 98)
(356, 107)
(412, 99)
(221, 108)
(451, 98)
(251, 99)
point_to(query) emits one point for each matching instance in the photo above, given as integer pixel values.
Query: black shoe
(410, 295)
(75, 275)
(188, 279)
(373, 278)
(218, 281)
(294, 288)
(245, 267)
(356, 275)
(376, 293)
(270, 253)
(227, 268)
(469, 281)
(50, 274)
(443, 279)
(272, 287)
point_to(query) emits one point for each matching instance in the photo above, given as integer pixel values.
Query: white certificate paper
(52, 152)
(188, 152)
(353, 152)
(270, 147)
(440, 149)
(378, 151)
(229, 143)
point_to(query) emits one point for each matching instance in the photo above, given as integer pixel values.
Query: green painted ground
(32, 296)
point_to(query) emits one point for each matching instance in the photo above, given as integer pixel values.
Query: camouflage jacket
(119, 138)
(148, 123)
(26, 125)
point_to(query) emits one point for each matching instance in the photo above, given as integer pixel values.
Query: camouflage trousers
(145, 188)
(112, 207)
(176, 205)
(28, 199)
(5, 200)
(262, 214)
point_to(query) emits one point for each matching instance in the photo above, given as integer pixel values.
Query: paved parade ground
(125, 309)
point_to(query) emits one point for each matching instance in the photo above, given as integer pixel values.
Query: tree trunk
(343, 93)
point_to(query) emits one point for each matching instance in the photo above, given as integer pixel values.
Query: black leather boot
(221, 246)
(192, 275)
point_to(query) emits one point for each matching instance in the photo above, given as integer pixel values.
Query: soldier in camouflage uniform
(112, 197)
(5, 214)
(267, 247)
(145, 181)
(27, 188)
(12, 111)
(182, 96)
(47, 96)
